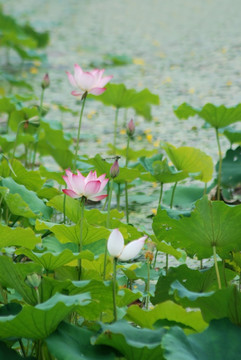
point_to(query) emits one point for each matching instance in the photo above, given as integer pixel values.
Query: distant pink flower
(88, 187)
(117, 248)
(91, 82)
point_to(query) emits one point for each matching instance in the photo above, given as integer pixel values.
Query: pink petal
(85, 81)
(77, 93)
(71, 79)
(104, 81)
(78, 183)
(132, 249)
(77, 73)
(97, 198)
(68, 181)
(103, 184)
(101, 177)
(97, 91)
(91, 176)
(71, 193)
(92, 188)
(115, 243)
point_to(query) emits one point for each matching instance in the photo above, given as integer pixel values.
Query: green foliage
(217, 116)
(231, 164)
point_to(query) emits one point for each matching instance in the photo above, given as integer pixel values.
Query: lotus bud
(33, 280)
(45, 83)
(114, 170)
(130, 128)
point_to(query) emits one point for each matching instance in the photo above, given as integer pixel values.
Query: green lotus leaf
(233, 135)
(131, 342)
(24, 202)
(132, 154)
(70, 342)
(18, 237)
(213, 305)
(217, 116)
(167, 310)
(198, 281)
(212, 223)
(231, 168)
(37, 322)
(191, 160)
(7, 353)
(211, 344)
(51, 261)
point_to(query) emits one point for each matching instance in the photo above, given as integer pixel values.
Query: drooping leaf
(216, 116)
(70, 342)
(131, 342)
(191, 160)
(208, 345)
(17, 237)
(167, 310)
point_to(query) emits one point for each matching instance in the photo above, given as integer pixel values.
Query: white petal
(115, 243)
(132, 249)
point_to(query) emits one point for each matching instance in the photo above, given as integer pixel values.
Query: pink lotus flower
(88, 187)
(90, 82)
(117, 248)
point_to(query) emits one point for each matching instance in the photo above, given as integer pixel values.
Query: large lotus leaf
(103, 167)
(14, 275)
(169, 311)
(212, 223)
(32, 180)
(131, 342)
(22, 115)
(191, 160)
(71, 233)
(136, 272)
(213, 305)
(167, 249)
(132, 154)
(233, 135)
(185, 196)
(17, 237)
(16, 204)
(21, 194)
(7, 141)
(41, 320)
(217, 116)
(6, 105)
(199, 281)
(160, 170)
(51, 261)
(119, 96)
(221, 340)
(70, 342)
(231, 168)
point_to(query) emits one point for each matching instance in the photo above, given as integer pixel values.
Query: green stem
(38, 295)
(82, 203)
(64, 206)
(205, 189)
(37, 134)
(160, 197)
(155, 258)
(201, 264)
(114, 289)
(220, 164)
(118, 196)
(78, 136)
(173, 192)
(22, 347)
(167, 264)
(106, 199)
(108, 223)
(16, 139)
(4, 295)
(127, 150)
(148, 284)
(216, 267)
(115, 129)
(126, 184)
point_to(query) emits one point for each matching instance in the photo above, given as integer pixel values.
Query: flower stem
(108, 222)
(173, 192)
(82, 204)
(220, 164)
(78, 136)
(148, 283)
(160, 197)
(118, 196)
(38, 295)
(126, 184)
(115, 129)
(40, 117)
(16, 139)
(216, 267)
(114, 289)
